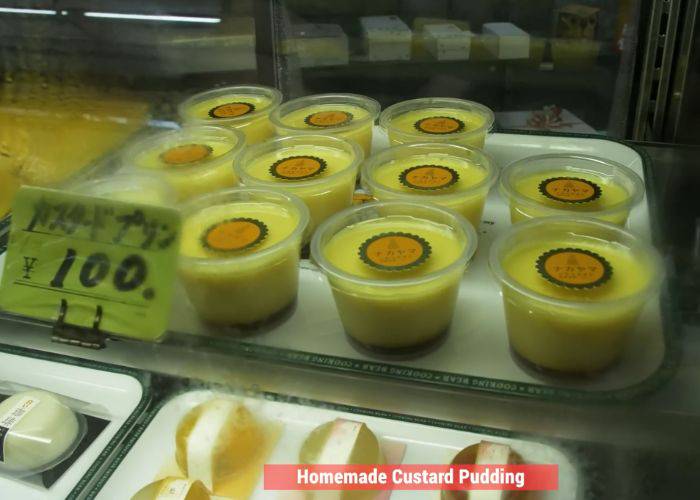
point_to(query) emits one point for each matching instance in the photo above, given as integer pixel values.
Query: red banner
(411, 477)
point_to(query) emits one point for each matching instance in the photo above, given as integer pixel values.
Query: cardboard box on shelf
(386, 38)
(420, 51)
(446, 42)
(576, 21)
(317, 45)
(511, 41)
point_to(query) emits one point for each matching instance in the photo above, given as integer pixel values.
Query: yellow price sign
(113, 259)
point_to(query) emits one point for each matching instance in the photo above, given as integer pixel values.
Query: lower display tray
(476, 354)
(149, 454)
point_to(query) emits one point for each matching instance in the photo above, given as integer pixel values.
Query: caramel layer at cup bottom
(575, 340)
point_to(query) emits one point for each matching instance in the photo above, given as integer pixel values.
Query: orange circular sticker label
(570, 189)
(231, 110)
(574, 268)
(358, 198)
(234, 234)
(439, 125)
(296, 168)
(428, 177)
(394, 251)
(186, 153)
(331, 118)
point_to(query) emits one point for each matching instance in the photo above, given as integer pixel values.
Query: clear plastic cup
(321, 170)
(246, 108)
(573, 289)
(145, 188)
(573, 185)
(437, 119)
(40, 432)
(193, 160)
(346, 115)
(394, 268)
(456, 177)
(239, 255)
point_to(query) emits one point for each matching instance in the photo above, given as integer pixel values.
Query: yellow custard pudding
(394, 268)
(136, 187)
(437, 119)
(193, 160)
(246, 108)
(572, 290)
(456, 177)
(321, 170)
(239, 256)
(349, 116)
(546, 185)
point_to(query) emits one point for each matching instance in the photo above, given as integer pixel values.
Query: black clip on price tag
(65, 333)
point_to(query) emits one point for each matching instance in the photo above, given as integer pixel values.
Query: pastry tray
(148, 455)
(476, 354)
(122, 394)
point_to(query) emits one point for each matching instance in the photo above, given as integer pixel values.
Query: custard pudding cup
(135, 187)
(437, 119)
(573, 185)
(321, 170)
(456, 177)
(194, 160)
(573, 289)
(394, 268)
(239, 254)
(349, 116)
(245, 108)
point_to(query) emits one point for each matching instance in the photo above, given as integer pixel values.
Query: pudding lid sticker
(570, 189)
(439, 125)
(574, 268)
(428, 177)
(177, 489)
(13, 417)
(185, 154)
(394, 251)
(295, 168)
(234, 235)
(231, 110)
(331, 118)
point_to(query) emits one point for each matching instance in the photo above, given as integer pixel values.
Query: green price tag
(94, 254)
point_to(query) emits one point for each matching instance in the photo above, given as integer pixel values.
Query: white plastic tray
(476, 354)
(424, 444)
(117, 394)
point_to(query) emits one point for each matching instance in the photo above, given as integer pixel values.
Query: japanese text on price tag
(91, 252)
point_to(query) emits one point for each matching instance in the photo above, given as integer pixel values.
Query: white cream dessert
(342, 442)
(493, 454)
(173, 488)
(39, 430)
(216, 440)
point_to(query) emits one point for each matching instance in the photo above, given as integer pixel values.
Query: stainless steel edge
(651, 47)
(680, 75)
(666, 68)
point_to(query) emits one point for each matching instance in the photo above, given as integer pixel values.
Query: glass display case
(249, 232)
